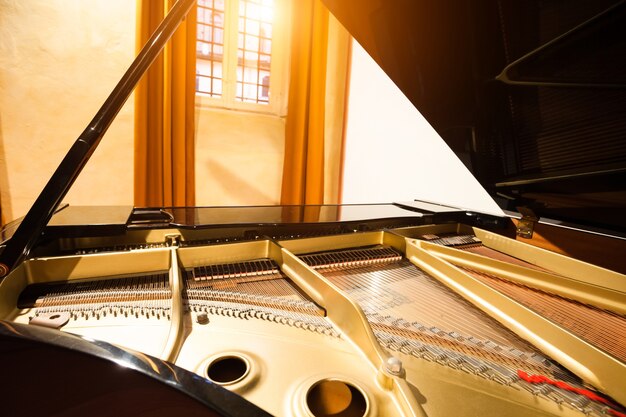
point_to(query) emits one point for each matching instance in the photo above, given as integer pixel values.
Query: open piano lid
(529, 94)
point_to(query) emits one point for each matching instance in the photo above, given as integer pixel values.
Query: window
(239, 56)
(210, 47)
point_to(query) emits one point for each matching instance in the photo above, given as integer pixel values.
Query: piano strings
(412, 313)
(408, 310)
(602, 328)
(142, 295)
(252, 289)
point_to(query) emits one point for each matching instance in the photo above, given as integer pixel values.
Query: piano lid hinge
(526, 225)
(172, 240)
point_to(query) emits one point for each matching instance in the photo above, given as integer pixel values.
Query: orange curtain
(164, 113)
(303, 169)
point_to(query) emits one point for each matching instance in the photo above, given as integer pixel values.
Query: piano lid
(529, 94)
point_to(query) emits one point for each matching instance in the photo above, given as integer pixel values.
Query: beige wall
(239, 157)
(58, 62)
(59, 59)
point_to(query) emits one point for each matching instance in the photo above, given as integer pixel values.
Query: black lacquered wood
(71, 376)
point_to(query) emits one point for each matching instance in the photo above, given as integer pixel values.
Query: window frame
(279, 64)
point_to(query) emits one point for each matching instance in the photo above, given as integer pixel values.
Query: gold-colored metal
(345, 314)
(588, 362)
(348, 316)
(141, 333)
(316, 244)
(584, 292)
(175, 336)
(526, 225)
(67, 268)
(70, 268)
(354, 240)
(433, 229)
(557, 263)
(286, 360)
(341, 244)
(221, 254)
(356, 335)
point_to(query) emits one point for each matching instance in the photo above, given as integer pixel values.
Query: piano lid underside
(529, 94)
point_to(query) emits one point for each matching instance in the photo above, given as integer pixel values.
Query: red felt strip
(539, 379)
(615, 413)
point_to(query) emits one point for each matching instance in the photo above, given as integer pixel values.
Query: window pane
(216, 70)
(203, 50)
(240, 43)
(264, 62)
(255, 47)
(218, 20)
(218, 36)
(266, 46)
(266, 30)
(252, 59)
(250, 75)
(252, 27)
(210, 47)
(205, 3)
(265, 78)
(239, 90)
(217, 87)
(252, 43)
(239, 73)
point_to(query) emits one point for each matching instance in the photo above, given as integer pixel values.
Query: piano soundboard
(360, 323)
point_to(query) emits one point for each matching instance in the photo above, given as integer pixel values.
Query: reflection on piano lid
(408, 309)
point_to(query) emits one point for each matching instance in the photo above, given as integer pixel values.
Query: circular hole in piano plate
(226, 370)
(336, 398)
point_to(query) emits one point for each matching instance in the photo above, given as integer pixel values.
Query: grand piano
(400, 309)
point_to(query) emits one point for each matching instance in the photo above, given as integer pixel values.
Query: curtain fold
(303, 169)
(164, 113)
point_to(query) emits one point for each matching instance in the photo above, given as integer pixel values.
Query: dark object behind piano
(529, 94)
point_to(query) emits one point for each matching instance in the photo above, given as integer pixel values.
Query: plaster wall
(239, 157)
(59, 59)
